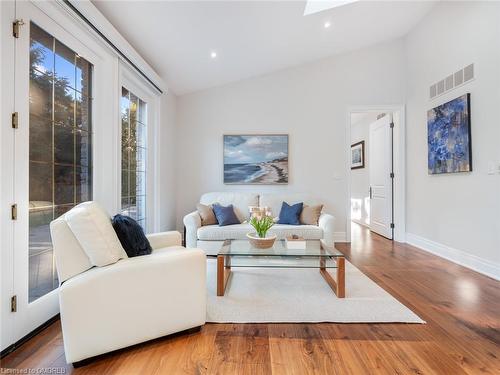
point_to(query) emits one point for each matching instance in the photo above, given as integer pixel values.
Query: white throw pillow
(92, 227)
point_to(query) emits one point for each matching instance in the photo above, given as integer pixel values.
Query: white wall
(456, 214)
(309, 102)
(166, 150)
(360, 178)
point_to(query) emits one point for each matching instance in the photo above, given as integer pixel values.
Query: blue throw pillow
(225, 215)
(290, 214)
(131, 236)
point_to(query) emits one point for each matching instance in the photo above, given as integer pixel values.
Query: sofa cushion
(225, 215)
(274, 200)
(289, 214)
(207, 214)
(240, 201)
(92, 227)
(239, 231)
(310, 214)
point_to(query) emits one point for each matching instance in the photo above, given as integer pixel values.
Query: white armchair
(131, 301)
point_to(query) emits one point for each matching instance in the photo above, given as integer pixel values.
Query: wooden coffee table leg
(338, 286)
(223, 272)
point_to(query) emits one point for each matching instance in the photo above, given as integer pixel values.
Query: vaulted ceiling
(250, 38)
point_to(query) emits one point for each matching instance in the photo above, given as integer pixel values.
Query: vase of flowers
(259, 238)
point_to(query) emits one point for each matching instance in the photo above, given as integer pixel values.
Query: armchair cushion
(92, 227)
(164, 239)
(131, 236)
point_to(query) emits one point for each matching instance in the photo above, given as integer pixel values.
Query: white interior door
(52, 157)
(380, 170)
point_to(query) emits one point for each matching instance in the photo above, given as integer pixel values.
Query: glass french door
(52, 156)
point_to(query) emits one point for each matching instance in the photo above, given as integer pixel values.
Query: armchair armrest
(134, 300)
(164, 239)
(327, 223)
(192, 222)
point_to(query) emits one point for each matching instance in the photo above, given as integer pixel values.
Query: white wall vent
(452, 81)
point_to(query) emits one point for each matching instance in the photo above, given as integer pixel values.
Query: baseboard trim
(483, 266)
(339, 237)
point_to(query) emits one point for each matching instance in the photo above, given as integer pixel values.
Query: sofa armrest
(327, 223)
(192, 222)
(164, 239)
(134, 300)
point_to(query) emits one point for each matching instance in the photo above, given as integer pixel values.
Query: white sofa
(104, 308)
(211, 237)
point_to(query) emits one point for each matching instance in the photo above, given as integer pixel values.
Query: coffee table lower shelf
(338, 285)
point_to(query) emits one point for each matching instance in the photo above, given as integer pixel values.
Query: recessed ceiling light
(213, 54)
(327, 25)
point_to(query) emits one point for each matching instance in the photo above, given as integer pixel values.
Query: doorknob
(370, 192)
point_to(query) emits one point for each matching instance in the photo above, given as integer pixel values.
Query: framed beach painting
(358, 155)
(256, 159)
(449, 137)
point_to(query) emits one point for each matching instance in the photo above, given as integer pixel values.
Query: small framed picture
(358, 155)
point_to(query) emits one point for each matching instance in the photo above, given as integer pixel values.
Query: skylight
(315, 6)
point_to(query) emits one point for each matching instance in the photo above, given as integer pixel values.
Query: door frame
(399, 165)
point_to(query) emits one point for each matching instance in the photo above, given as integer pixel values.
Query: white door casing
(380, 156)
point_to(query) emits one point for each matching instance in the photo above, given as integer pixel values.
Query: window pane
(64, 151)
(41, 50)
(64, 106)
(83, 177)
(82, 116)
(40, 139)
(141, 114)
(141, 135)
(65, 65)
(64, 179)
(83, 76)
(133, 108)
(132, 209)
(140, 188)
(125, 183)
(41, 184)
(141, 207)
(60, 172)
(83, 151)
(41, 96)
(141, 159)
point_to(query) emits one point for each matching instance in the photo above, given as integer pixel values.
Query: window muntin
(60, 147)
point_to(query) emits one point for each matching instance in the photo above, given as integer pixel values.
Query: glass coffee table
(316, 254)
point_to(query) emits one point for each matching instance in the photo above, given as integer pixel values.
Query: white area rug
(256, 295)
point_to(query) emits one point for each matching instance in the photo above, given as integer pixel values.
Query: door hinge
(15, 120)
(392, 125)
(16, 26)
(391, 175)
(13, 304)
(392, 225)
(13, 212)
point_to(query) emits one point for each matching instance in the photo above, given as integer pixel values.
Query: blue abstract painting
(449, 137)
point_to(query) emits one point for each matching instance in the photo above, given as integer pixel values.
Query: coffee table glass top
(240, 253)
(313, 248)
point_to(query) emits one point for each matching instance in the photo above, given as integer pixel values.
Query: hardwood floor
(462, 334)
